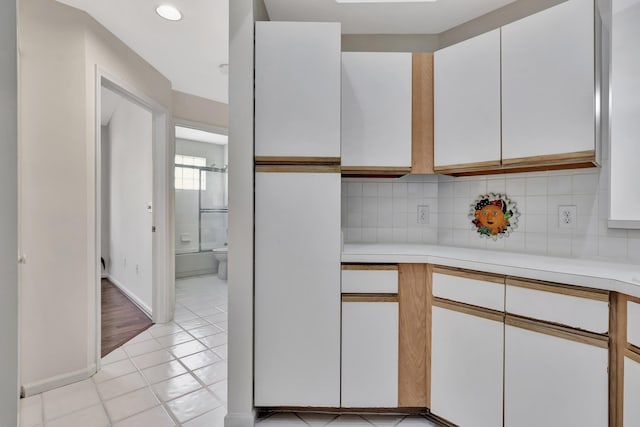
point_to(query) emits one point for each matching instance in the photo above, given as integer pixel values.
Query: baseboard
(58, 381)
(133, 298)
(192, 273)
(240, 419)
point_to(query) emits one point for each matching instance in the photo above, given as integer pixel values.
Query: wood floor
(121, 319)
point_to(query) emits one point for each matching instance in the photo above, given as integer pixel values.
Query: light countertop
(605, 275)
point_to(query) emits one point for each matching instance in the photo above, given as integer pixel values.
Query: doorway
(133, 214)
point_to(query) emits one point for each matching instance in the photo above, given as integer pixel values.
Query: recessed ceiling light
(385, 1)
(169, 12)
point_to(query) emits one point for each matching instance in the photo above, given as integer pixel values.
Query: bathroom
(201, 202)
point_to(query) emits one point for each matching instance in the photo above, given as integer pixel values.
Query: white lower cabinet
(297, 289)
(369, 354)
(631, 392)
(553, 382)
(467, 368)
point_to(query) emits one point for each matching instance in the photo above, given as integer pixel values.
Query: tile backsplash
(386, 210)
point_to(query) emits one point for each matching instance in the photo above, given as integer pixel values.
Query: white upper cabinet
(548, 83)
(376, 109)
(467, 102)
(297, 89)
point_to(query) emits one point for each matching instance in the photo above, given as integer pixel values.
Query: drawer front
(633, 323)
(576, 309)
(470, 288)
(372, 280)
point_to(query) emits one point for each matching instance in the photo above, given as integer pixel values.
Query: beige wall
(191, 108)
(492, 20)
(390, 42)
(60, 49)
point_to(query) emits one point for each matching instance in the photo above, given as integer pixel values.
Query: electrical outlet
(423, 214)
(567, 216)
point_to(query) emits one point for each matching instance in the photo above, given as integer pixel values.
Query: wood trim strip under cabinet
(557, 159)
(522, 168)
(633, 353)
(556, 288)
(472, 310)
(422, 135)
(374, 171)
(300, 160)
(468, 274)
(413, 293)
(559, 331)
(617, 344)
(480, 167)
(369, 298)
(298, 168)
(360, 267)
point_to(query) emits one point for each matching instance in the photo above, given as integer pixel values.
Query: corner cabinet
(387, 113)
(467, 99)
(524, 97)
(548, 86)
(467, 347)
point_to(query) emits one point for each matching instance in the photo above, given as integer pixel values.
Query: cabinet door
(466, 368)
(376, 109)
(548, 80)
(369, 354)
(297, 89)
(631, 391)
(467, 103)
(297, 289)
(552, 381)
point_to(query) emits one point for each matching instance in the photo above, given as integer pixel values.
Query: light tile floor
(173, 374)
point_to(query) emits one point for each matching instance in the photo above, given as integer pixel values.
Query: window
(187, 173)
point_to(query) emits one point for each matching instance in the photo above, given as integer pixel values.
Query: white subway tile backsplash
(536, 205)
(415, 189)
(612, 247)
(496, 185)
(536, 223)
(516, 187)
(400, 189)
(536, 243)
(536, 186)
(370, 189)
(355, 189)
(585, 184)
(558, 185)
(385, 189)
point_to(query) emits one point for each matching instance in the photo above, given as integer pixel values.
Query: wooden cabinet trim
(413, 350)
(422, 125)
(469, 274)
(480, 167)
(520, 168)
(556, 288)
(298, 168)
(374, 171)
(362, 267)
(617, 344)
(296, 160)
(472, 310)
(633, 353)
(557, 159)
(559, 331)
(369, 298)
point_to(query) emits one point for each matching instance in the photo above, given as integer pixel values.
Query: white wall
(131, 190)
(105, 207)
(242, 17)
(8, 217)
(61, 48)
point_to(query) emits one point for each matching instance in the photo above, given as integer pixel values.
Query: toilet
(221, 256)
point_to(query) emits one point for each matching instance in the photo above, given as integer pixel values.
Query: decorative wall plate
(494, 215)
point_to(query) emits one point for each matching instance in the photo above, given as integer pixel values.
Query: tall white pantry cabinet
(297, 211)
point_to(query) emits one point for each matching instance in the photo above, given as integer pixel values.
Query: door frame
(163, 246)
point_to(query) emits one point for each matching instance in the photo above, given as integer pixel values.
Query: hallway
(172, 374)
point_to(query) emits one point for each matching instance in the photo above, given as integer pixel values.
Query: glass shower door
(213, 209)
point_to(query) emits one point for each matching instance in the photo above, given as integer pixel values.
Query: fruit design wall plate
(494, 216)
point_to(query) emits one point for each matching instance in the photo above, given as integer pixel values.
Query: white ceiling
(380, 18)
(187, 52)
(201, 136)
